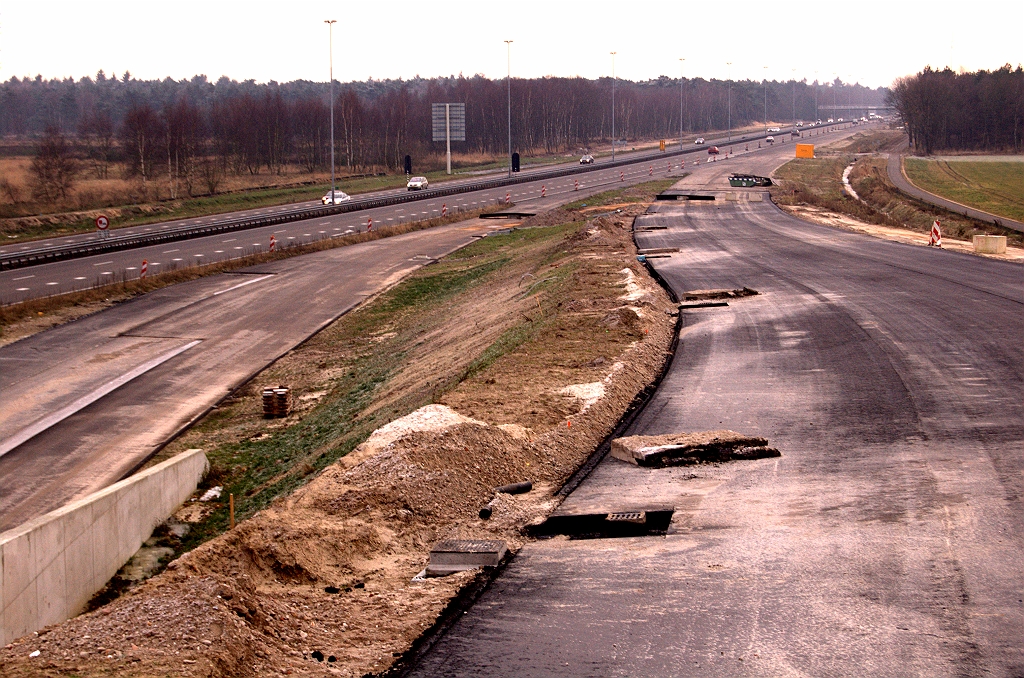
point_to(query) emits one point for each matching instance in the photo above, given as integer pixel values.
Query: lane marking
(170, 251)
(60, 415)
(82, 277)
(247, 282)
(24, 277)
(22, 289)
(103, 263)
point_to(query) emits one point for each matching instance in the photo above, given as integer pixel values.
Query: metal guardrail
(52, 253)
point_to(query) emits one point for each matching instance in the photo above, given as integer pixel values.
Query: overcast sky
(866, 41)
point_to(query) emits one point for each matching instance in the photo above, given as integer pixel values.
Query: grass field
(996, 187)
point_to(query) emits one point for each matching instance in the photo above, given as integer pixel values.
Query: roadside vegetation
(995, 187)
(818, 183)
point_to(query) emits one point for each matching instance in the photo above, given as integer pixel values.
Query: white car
(774, 129)
(339, 197)
(770, 140)
(699, 140)
(587, 160)
(417, 183)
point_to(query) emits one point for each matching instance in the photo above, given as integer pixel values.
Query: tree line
(195, 131)
(944, 110)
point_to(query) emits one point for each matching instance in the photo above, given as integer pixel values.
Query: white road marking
(60, 415)
(107, 273)
(103, 263)
(247, 282)
(81, 277)
(218, 251)
(21, 289)
(52, 283)
(24, 277)
(130, 268)
(175, 259)
(281, 231)
(232, 240)
(169, 251)
(238, 248)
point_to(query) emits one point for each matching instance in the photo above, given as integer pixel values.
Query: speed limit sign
(102, 222)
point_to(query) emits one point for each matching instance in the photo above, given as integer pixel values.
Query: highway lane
(66, 276)
(887, 540)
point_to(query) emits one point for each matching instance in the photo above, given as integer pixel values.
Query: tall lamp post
(508, 78)
(729, 64)
(835, 76)
(766, 101)
(330, 51)
(681, 64)
(794, 98)
(816, 115)
(613, 105)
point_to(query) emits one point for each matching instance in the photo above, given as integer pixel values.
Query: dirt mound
(326, 573)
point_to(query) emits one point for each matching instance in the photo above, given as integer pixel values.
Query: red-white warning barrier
(622, 177)
(935, 238)
(508, 197)
(273, 243)
(543, 191)
(650, 171)
(576, 185)
(444, 209)
(369, 225)
(145, 269)
(682, 164)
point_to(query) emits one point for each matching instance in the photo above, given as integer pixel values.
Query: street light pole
(508, 45)
(330, 51)
(835, 116)
(766, 101)
(681, 64)
(729, 73)
(816, 114)
(794, 98)
(613, 105)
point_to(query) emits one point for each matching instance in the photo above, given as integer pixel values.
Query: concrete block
(456, 555)
(688, 448)
(990, 244)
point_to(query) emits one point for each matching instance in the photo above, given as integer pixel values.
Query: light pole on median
(794, 98)
(835, 76)
(330, 52)
(681, 64)
(508, 45)
(613, 105)
(766, 101)
(729, 105)
(816, 114)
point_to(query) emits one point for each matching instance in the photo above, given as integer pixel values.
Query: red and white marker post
(576, 185)
(935, 238)
(508, 198)
(650, 171)
(622, 176)
(369, 224)
(145, 269)
(273, 243)
(444, 209)
(543, 191)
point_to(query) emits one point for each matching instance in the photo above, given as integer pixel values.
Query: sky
(866, 41)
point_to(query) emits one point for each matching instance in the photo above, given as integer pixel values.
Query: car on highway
(417, 183)
(699, 140)
(339, 197)
(587, 160)
(770, 140)
(774, 129)
(800, 124)
(713, 150)
(831, 120)
(795, 133)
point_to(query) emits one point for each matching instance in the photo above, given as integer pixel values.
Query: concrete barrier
(51, 567)
(990, 244)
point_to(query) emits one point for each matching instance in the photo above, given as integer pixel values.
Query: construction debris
(690, 448)
(277, 402)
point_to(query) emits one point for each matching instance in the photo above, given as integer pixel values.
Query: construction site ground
(510, 360)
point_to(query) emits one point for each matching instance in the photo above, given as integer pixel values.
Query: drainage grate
(610, 525)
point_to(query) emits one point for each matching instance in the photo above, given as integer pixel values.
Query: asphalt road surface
(888, 538)
(81, 405)
(66, 276)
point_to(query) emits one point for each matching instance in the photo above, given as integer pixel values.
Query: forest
(195, 132)
(948, 111)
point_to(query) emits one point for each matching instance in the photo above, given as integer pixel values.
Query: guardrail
(52, 253)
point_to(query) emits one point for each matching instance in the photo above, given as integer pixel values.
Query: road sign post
(102, 224)
(448, 124)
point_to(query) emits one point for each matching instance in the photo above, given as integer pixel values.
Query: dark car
(713, 150)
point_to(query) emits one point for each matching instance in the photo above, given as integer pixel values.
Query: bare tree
(54, 168)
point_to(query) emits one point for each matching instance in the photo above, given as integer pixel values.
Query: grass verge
(995, 187)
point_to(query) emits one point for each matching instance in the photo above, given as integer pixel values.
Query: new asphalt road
(888, 538)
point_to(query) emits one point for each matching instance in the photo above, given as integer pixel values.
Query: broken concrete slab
(690, 448)
(694, 295)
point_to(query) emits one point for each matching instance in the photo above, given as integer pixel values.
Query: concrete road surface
(888, 538)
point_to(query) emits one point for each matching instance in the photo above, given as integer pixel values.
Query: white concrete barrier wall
(51, 567)
(990, 244)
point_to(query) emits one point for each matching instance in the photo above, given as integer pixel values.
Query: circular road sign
(102, 222)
